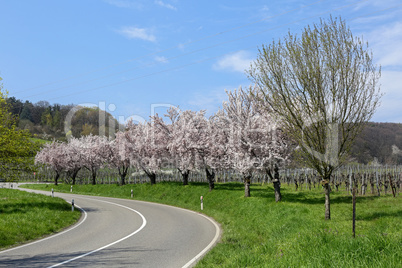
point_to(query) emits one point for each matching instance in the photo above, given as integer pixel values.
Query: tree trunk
(56, 178)
(277, 187)
(327, 188)
(74, 176)
(93, 177)
(123, 179)
(152, 177)
(123, 174)
(185, 175)
(247, 179)
(276, 182)
(210, 178)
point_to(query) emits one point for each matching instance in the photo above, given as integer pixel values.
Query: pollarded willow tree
(324, 86)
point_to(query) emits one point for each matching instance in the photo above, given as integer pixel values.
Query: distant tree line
(46, 121)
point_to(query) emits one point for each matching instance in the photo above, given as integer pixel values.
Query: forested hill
(376, 141)
(46, 121)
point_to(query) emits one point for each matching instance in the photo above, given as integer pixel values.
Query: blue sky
(135, 57)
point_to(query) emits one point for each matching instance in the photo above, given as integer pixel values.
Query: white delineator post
(71, 189)
(202, 203)
(131, 193)
(72, 205)
(52, 193)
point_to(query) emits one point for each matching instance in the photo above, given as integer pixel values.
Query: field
(26, 216)
(257, 232)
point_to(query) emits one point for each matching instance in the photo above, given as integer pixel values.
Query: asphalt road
(120, 233)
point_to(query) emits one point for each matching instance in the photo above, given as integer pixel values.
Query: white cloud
(165, 5)
(137, 33)
(161, 59)
(386, 43)
(236, 62)
(125, 4)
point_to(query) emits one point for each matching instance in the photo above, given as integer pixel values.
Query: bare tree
(324, 86)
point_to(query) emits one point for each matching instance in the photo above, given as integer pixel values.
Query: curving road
(120, 233)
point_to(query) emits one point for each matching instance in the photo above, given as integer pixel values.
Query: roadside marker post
(71, 189)
(132, 193)
(72, 205)
(52, 193)
(202, 203)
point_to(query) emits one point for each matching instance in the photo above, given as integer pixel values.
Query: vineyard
(367, 179)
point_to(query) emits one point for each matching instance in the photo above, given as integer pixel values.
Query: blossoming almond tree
(254, 141)
(212, 147)
(147, 148)
(54, 155)
(120, 155)
(95, 153)
(74, 158)
(182, 134)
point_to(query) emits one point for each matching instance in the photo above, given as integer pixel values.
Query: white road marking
(199, 255)
(144, 223)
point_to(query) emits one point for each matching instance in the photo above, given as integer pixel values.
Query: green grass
(257, 232)
(27, 216)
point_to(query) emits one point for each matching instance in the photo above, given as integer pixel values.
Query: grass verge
(257, 232)
(27, 216)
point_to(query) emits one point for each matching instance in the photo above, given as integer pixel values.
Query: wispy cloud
(235, 62)
(386, 42)
(137, 33)
(125, 4)
(165, 5)
(161, 59)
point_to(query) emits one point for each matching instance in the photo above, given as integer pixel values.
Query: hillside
(376, 141)
(46, 121)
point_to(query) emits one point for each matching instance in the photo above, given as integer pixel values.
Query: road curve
(120, 233)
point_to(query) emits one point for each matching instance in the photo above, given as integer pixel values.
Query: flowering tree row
(239, 137)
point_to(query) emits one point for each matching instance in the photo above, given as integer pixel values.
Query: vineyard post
(378, 188)
(354, 205)
(350, 181)
(391, 184)
(305, 179)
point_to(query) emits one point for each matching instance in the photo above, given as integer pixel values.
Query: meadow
(257, 232)
(26, 216)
